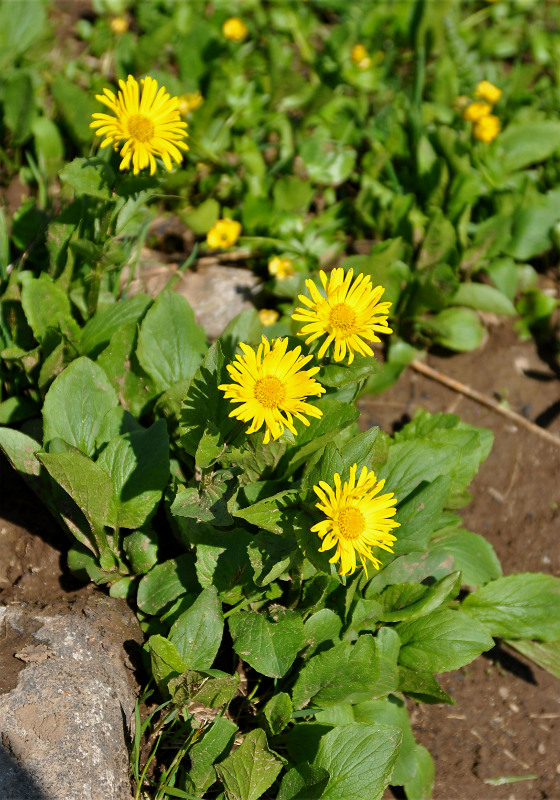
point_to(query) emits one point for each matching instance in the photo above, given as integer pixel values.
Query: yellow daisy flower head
(488, 92)
(487, 128)
(358, 518)
(272, 387)
(119, 25)
(360, 56)
(189, 102)
(150, 125)
(476, 111)
(281, 268)
(268, 316)
(235, 30)
(224, 233)
(350, 313)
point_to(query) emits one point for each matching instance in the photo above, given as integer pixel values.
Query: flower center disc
(140, 128)
(270, 391)
(351, 523)
(342, 318)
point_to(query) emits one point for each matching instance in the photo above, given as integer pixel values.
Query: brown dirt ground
(506, 721)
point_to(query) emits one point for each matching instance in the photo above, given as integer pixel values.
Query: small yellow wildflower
(224, 233)
(149, 125)
(357, 519)
(281, 268)
(268, 316)
(235, 30)
(360, 56)
(488, 92)
(350, 313)
(476, 111)
(272, 388)
(119, 25)
(190, 102)
(486, 128)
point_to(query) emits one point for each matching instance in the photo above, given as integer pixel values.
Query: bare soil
(506, 721)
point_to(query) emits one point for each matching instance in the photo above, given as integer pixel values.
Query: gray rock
(65, 728)
(216, 292)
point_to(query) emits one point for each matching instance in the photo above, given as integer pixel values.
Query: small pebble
(514, 707)
(503, 691)
(541, 748)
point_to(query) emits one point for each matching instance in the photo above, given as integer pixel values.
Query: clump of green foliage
(280, 677)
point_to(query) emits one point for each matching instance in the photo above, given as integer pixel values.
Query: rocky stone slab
(65, 728)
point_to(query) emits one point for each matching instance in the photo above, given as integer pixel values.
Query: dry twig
(457, 386)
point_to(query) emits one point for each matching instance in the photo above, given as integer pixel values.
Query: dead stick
(424, 369)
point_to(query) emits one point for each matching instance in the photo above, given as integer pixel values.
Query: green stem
(243, 604)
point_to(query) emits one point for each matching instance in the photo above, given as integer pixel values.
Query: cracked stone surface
(65, 727)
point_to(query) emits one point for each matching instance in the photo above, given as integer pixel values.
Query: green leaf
(251, 769)
(277, 713)
(141, 548)
(18, 96)
(471, 554)
(211, 689)
(359, 759)
(457, 329)
(17, 409)
(364, 449)
(268, 643)
(350, 673)
(392, 711)
(197, 633)
(412, 463)
(99, 329)
(336, 416)
(76, 404)
(327, 163)
(49, 146)
(245, 327)
(221, 560)
(210, 505)
(205, 404)
(46, 305)
(532, 227)
(201, 218)
(89, 176)
(19, 30)
(422, 686)
(401, 601)
(482, 298)
(211, 749)
(442, 641)
(421, 784)
(270, 556)
(439, 243)
(165, 582)
(134, 387)
(170, 343)
(87, 484)
(323, 626)
(524, 606)
(303, 782)
(165, 660)
(419, 514)
(545, 654)
(138, 464)
(528, 143)
(76, 107)
(268, 513)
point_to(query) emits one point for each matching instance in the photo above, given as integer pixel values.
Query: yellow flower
(149, 125)
(189, 102)
(488, 92)
(350, 313)
(272, 388)
(119, 25)
(235, 30)
(476, 111)
(487, 128)
(357, 519)
(268, 316)
(224, 233)
(360, 56)
(281, 268)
